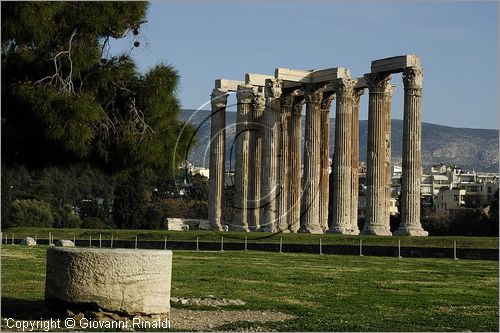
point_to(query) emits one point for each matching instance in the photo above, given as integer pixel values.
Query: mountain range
(470, 149)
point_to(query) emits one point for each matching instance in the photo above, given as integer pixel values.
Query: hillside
(475, 149)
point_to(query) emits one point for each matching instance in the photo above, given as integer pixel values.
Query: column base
(268, 228)
(339, 230)
(239, 229)
(311, 230)
(355, 232)
(377, 231)
(410, 231)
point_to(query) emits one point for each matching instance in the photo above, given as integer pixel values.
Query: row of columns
(272, 194)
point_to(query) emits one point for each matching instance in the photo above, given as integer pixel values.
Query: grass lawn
(325, 293)
(327, 239)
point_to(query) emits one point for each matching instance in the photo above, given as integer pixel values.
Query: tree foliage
(65, 100)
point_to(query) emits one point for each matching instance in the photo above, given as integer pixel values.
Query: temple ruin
(274, 193)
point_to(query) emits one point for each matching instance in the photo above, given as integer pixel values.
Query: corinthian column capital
(327, 100)
(344, 87)
(413, 78)
(244, 94)
(258, 100)
(378, 82)
(314, 94)
(273, 88)
(298, 103)
(218, 98)
(357, 95)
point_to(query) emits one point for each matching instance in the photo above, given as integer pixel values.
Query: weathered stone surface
(395, 64)
(271, 156)
(116, 280)
(377, 222)
(412, 154)
(217, 157)
(28, 241)
(309, 221)
(65, 242)
(340, 208)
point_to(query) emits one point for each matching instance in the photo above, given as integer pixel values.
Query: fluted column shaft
(355, 161)
(244, 96)
(324, 182)
(342, 159)
(295, 135)
(255, 172)
(284, 197)
(376, 222)
(388, 154)
(217, 158)
(271, 156)
(412, 163)
(310, 199)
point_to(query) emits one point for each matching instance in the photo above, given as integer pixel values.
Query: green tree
(65, 99)
(130, 202)
(30, 213)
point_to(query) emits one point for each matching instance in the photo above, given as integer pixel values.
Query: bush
(30, 213)
(65, 217)
(436, 225)
(94, 223)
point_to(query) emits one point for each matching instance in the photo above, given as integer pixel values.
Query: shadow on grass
(25, 309)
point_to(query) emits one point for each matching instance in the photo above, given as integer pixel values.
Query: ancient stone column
(412, 163)
(388, 153)
(217, 158)
(376, 222)
(324, 182)
(340, 207)
(244, 97)
(284, 175)
(295, 135)
(355, 160)
(256, 140)
(309, 221)
(271, 156)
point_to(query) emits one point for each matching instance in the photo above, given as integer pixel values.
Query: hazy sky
(456, 41)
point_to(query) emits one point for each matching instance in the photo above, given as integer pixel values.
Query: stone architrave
(295, 134)
(376, 222)
(244, 97)
(271, 156)
(256, 141)
(340, 207)
(309, 221)
(355, 160)
(412, 160)
(324, 181)
(217, 158)
(388, 154)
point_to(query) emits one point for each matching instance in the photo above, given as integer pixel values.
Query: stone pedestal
(324, 182)
(312, 160)
(355, 161)
(217, 158)
(340, 208)
(115, 280)
(295, 133)
(412, 163)
(255, 175)
(377, 222)
(271, 156)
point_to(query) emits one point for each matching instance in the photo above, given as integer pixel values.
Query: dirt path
(209, 320)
